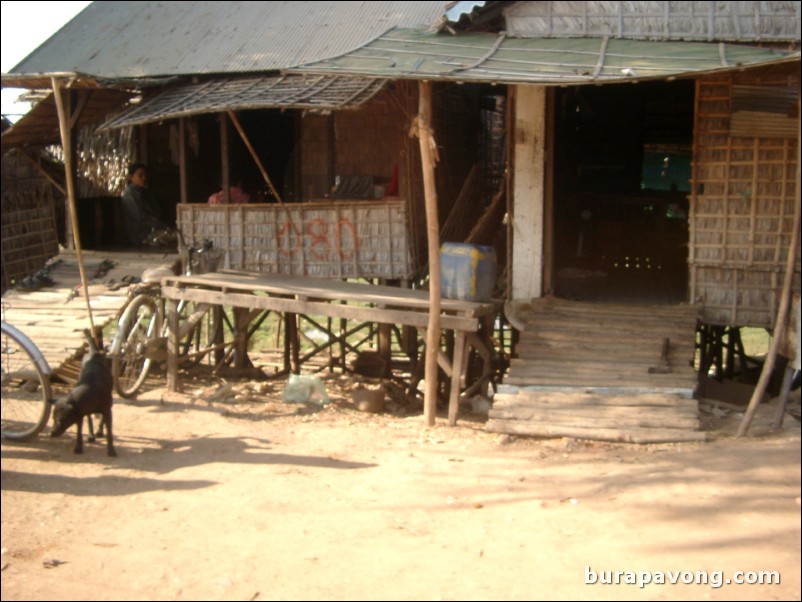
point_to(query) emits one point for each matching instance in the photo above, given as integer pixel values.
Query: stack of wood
(601, 371)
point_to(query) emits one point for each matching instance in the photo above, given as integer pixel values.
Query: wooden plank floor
(54, 320)
(595, 370)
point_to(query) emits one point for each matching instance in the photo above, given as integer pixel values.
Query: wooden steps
(601, 371)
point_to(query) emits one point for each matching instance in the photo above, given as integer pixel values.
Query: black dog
(92, 395)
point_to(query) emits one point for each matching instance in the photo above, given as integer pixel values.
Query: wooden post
(456, 377)
(218, 335)
(266, 177)
(242, 319)
(172, 345)
(66, 145)
(528, 192)
(255, 156)
(224, 166)
(785, 302)
(429, 158)
(292, 344)
(182, 158)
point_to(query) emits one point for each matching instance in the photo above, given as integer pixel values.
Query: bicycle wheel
(137, 338)
(26, 385)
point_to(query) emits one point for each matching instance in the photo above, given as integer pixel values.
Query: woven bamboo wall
(742, 206)
(342, 239)
(29, 235)
(366, 141)
(369, 140)
(316, 181)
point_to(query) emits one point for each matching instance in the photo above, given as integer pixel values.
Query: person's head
(138, 174)
(234, 179)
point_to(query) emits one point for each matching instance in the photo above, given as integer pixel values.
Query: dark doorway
(621, 184)
(272, 134)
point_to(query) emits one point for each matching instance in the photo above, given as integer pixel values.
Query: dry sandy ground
(253, 499)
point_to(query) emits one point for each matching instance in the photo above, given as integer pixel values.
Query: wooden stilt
(429, 158)
(456, 373)
(182, 159)
(292, 344)
(783, 401)
(217, 337)
(172, 345)
(66, 145)
(224, 164)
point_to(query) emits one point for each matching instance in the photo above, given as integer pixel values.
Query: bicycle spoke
(25, 386)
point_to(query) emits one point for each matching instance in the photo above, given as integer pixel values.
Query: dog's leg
(109, 438)
(99, 432)
(79, 442)
(91, 437)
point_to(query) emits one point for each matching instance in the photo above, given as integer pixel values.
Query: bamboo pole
(255, 156)
(224, 166)
(429, 158)
(66, 145)
(182, 159)
(785, 302)
(265, 175)
(43, 171)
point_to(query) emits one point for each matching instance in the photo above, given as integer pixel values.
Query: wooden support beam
(292, 345)
(172, 345)
(528, 192)
(43, 171)
(224, 165)
(321, 308)
(242, 319)
(255, 156)
(429, 158)
(66, 145)
(456, 374)
(182, 159)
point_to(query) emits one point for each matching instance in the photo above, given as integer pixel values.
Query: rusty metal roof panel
(150, 39)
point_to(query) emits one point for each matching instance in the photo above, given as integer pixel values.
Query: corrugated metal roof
(321, 92)
(147, 39)
(413, 54)
(458, 9)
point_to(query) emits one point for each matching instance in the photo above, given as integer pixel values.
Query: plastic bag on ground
(301, 388)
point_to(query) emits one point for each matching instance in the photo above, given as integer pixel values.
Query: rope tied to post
(419, 129)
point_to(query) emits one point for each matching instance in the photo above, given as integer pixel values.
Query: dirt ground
(223, 498)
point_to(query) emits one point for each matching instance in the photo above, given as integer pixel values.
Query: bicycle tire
(140, 324)
(26, 396)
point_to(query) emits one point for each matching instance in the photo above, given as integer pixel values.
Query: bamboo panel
(346, 239)
(741, 207)
(28, 240)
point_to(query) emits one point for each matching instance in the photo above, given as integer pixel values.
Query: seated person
(141, 210)
(236, 194)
